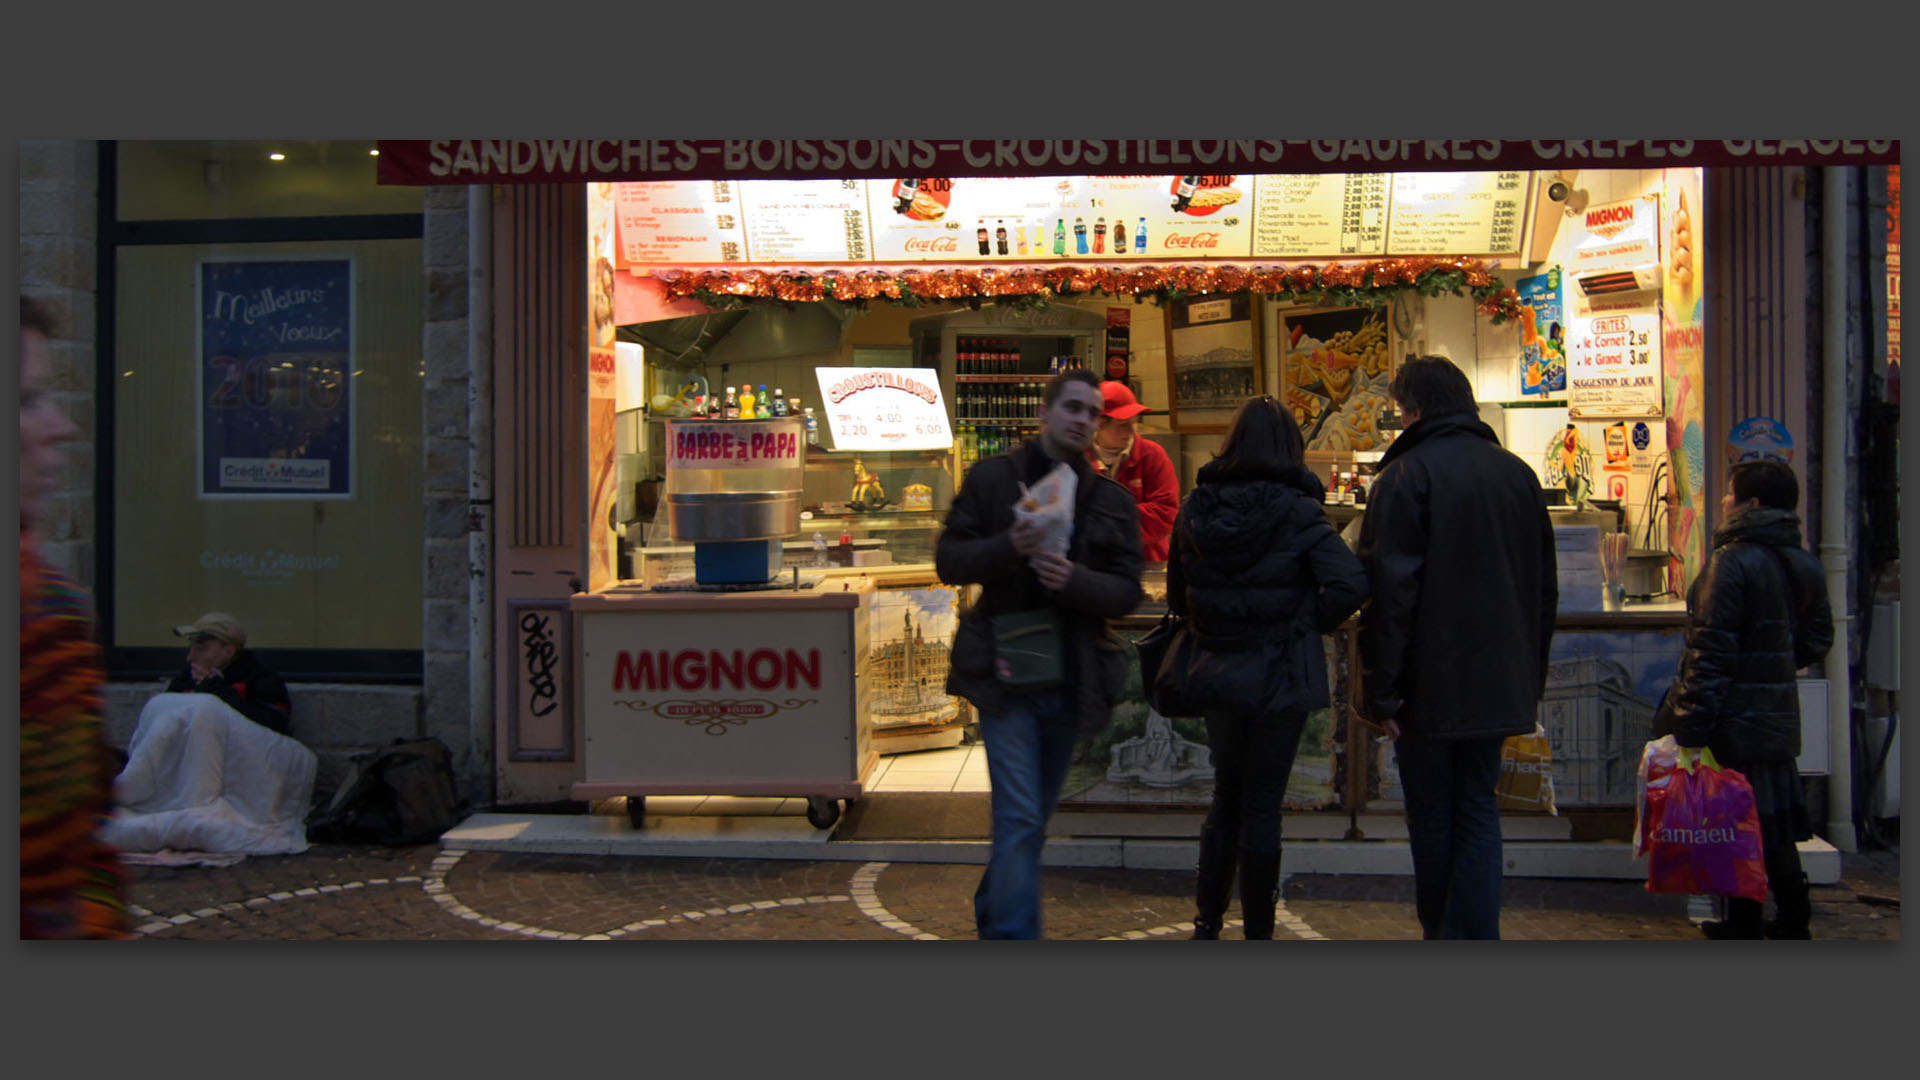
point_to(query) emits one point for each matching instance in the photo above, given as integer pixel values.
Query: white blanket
(202, 777)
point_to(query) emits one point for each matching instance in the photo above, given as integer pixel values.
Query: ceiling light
(375, 152)
(276, 156)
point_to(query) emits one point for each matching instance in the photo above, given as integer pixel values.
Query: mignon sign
(722, 695)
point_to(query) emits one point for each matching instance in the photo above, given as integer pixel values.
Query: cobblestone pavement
(334, 892)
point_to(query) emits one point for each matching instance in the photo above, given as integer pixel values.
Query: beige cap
(217, 625)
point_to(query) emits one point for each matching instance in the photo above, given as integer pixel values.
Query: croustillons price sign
(523, 161)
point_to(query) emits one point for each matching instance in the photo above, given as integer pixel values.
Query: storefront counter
(725, 693)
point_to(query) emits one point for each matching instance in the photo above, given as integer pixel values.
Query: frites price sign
(734, 444)
(884, 408)
(1613, 368)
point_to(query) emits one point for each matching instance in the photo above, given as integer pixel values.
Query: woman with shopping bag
(1757, 614)
(1259, 575)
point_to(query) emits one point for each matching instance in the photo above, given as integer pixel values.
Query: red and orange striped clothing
(70, 883)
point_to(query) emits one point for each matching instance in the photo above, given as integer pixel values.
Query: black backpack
(401, 794)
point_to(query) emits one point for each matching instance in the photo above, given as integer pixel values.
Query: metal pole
(1833, 503)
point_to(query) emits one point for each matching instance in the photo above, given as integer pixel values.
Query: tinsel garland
(1366, 284)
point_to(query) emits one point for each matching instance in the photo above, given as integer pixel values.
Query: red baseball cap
(1118, 402)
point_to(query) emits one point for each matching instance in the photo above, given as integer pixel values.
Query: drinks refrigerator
(993, 366)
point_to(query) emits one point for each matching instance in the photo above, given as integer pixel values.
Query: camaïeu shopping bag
(1699, 828)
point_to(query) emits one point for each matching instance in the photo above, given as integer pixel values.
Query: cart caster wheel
(822, 813)
(637, 811)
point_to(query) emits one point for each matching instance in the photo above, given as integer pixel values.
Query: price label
(884, 408)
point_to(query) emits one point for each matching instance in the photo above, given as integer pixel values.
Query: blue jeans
(1029, 744)
(1453, 825)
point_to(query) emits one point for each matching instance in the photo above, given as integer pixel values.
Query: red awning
(533, 161)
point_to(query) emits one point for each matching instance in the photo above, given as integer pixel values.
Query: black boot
(1741, 924)
(1259, 892)
(1794, 904)
(1215, 884)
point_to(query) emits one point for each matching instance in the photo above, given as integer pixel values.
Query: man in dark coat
(219, 663)
(1029, 733)
(1756, 615)
(1459, 548)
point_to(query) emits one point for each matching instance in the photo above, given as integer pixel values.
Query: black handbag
(1164, 653)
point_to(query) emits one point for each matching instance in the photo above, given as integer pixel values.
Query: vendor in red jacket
(1137, 464)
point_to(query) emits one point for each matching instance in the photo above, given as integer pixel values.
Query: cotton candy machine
(733, 490)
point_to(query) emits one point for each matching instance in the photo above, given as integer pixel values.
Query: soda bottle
(1039, 239)
(793, 406)
(1000, 237)
(1080, 235)
(904, 197)
(746, 403)
(813, 428)
(1059, 236)
(779, 402)
(986, 242)
(1020, 238)
(733, 406)
(1140, 237)
(1099, 235)
(1183, 194)
(762, 408)
(1119, 237)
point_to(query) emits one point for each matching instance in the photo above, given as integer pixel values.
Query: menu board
(1037, 219)
(1613, 364)
(1456, 213)
(806, 220)
(1318, 215)
(691, 221)
(1027, 220)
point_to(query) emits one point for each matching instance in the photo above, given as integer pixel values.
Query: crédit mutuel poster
(276, 369)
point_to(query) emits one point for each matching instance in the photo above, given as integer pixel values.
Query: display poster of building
(688, 222)
(275, 380)
(1613, 362)
(1543, 335)
(1331, 214)
(909, 642)
(1457, 213)
(806, 220)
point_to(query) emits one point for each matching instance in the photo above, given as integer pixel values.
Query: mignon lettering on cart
(713, 669)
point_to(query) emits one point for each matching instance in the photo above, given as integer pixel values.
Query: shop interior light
(276, 156)
(375, 152)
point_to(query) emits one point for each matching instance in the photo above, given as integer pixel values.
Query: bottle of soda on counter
(793, 406)
(1140, 237)
(761, 407)
(732, 407)
(813, 428)
(747, 411)
(779, 402)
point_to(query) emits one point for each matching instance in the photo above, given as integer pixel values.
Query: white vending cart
(725, 693)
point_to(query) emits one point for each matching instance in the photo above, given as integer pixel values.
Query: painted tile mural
(1602, 691)
(910, 639)
(1145, 758)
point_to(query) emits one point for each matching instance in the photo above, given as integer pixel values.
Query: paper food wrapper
(1050, 503)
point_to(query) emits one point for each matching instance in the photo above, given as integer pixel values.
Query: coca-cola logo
(1191, 240)
(937, 244)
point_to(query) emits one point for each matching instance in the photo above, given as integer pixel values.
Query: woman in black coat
(1261, 575)
(1757, 614)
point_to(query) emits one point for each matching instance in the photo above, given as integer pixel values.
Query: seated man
(210, 768)
(219, 663)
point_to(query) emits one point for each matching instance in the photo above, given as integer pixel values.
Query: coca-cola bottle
(1000, 237)
(1183, 195)
(903, 195)
(986, 242)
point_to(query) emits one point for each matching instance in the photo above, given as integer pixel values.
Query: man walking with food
(1458, 546)
(1055, 549)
